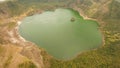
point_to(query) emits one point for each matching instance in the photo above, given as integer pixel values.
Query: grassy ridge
(106, 56)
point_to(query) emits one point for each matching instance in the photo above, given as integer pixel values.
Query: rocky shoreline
(16, 38)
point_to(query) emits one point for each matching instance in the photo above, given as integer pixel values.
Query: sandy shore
(17, 28)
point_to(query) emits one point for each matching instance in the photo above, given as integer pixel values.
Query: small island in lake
(72, 19)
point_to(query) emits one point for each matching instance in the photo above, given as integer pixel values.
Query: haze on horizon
(2, 0)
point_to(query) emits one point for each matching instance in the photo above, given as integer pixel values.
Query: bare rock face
(33, 53)
(13, 56)
(100, 9)
(18, 53)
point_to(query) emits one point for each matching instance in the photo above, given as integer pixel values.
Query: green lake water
(63, 32)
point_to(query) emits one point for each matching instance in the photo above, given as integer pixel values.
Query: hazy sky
(118, 0)
(2, 0)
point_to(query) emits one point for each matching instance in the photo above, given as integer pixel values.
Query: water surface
(63, 32)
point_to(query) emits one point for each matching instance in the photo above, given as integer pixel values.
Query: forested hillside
(106, 12)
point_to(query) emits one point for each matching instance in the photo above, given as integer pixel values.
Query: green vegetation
(106, 56)
(27, 64)
(46, 58)
(70, 40)
(11, 25)
(111, 38)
